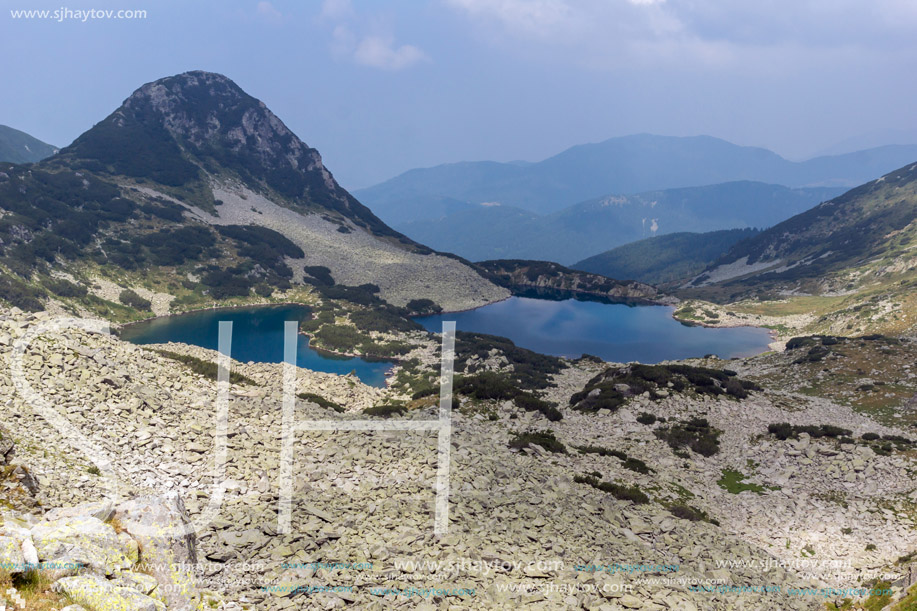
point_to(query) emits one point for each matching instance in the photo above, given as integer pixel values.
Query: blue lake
(257, 335)
(614, 332)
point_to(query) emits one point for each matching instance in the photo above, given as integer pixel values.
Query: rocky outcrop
(103, 557)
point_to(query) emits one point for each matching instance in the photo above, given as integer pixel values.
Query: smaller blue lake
(257, 335)
(614, 332)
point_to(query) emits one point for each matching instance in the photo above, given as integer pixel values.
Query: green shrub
(785, 430)
(423, 306)
(611, 388)
(319, 275)
(532, 403)
(696, 434)
(545, 439)
(686, 512)
(385, 411)
(65, 288)
(619, 491)
(133, 300)
(208, 369)
(320, 401)
(487, 385)
(531, 370)
(646, 418)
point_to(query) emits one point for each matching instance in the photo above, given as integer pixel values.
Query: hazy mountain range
(626, 165)
(594, 226)
(20, 147)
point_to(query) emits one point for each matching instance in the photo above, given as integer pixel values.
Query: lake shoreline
(382, 376)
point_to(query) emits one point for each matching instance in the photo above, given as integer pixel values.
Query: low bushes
(207, 369)
(696, 434)
(545, 439)
(385, 411)
(320, 401)
(611, 388)
(634, 464)
(785, 430)
(132, 299)
(619, 491)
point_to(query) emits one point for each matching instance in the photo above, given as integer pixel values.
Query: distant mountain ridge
(19, 147)
(626, 165)
(588, 228)
(666, 258)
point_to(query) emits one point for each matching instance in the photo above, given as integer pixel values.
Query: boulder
(81, 540)
(167, 552)
(11, 558)
(97, 509)
(96, 594)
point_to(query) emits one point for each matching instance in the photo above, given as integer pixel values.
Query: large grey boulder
(11, 558)
(167, 552)
(96, 594)
(84, 540)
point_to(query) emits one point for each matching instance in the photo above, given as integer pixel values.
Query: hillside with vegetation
(848, 266)
(19, 147)
(664, 259)
(193, 192)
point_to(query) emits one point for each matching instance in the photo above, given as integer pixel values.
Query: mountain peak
(171, 129)
(208, 111)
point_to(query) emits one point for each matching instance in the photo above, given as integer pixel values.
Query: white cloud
(337, 9)
(379, 52)
(267, 11)
(535, 16)
(365, 41)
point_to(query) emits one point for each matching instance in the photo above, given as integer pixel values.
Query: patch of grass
(545, 439)
(35, 590)
(207, 369)
(877, 602)
(731, 482)
(320, 401)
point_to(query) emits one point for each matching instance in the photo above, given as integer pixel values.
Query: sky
(383, 86)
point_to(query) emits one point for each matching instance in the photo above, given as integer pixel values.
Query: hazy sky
(380, 87)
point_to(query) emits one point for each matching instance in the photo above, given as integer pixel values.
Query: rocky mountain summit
(671, 487)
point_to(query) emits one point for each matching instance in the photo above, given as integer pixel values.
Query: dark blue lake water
(614, 332)
(257, 335)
